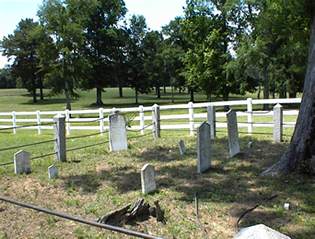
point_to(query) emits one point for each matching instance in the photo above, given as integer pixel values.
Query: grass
(94, 182)
(20, 100)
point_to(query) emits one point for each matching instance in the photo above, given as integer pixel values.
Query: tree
(104, 41)
(153, 62)
(6, 79)
(64, 23)
(300, 155)
(135, 55)
(23, 47)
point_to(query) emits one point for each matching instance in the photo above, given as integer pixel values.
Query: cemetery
(203, 179)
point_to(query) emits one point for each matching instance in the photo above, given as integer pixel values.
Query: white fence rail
(81, 119)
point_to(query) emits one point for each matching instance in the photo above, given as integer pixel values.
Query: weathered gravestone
(260, 232)
(211, 121)
(148, 179)
(22, 163)
(203, 148)
(278, 122)
(117, 133)
(52, 172)
(182, 147)
(234, 145)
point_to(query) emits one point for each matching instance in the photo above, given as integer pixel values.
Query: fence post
(60, 134)
(101, 119)
(191, 118)
(14, 122)
(68, 126)
(250, 115)
(38, 121)
(156, 121)
(211, 120)
(141, 119)
(278, 122)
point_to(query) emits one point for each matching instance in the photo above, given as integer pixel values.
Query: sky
(157, 13)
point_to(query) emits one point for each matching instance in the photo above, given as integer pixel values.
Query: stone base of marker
(22, 163)
(260, 232)
(52, 172)
(182, 147)
(148, 183)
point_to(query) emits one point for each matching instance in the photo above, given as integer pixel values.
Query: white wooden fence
(190, 120)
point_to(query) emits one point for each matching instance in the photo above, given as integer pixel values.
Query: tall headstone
(203, 148)
(234, 144)
(156, 121)
(60, 134)
(211, 120)
(148, 179)
(182, 147)
(117, 132)
(52, 172)
(277, 121)
(22, 163)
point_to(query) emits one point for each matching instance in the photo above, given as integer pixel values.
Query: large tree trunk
(192, 97)
(121, 95)
(158, 91)
(34, 95)
(266, 87)
(68, 96)
(136, 95)
(300, 155)
(99, 101)
(41, 89)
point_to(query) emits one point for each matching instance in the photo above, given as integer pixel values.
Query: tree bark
(121, 95)
(192, 96)
(34, 95)
(99, 101)
(158, 91)
(68, 96)
(266, 87)
(136, 95)
(300, 156)
(41, 90)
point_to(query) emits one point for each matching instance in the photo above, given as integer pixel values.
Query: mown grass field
(20, 100)
(94, 182)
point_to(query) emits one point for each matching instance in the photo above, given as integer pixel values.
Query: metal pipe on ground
(80, 220)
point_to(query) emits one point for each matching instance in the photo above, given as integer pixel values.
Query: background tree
(6, 79)
(104, 41)
(135, 56)
(63, 22)
(22, 47)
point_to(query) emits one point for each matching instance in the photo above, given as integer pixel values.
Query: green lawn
(20, 100)
(94, 182)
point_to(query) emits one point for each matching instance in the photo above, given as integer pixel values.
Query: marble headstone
(117, 132)
(148, 183)
(233, 139)
(203, 148)
(52, 172)
(182, 147)
(22, 163)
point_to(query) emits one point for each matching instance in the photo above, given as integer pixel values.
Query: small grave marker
(117, 132)
(203, 147)
(182, 147)
(234, 145)
(52, 172)
(22, 163)
(148, 179)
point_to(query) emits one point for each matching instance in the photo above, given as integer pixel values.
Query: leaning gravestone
(203, 147)
(22, 163)
(52, 172)
(148, 179)
(234, 145)
(182, 148)
(259, 232)
(117, 132)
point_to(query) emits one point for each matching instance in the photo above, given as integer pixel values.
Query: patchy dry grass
(95, 182)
